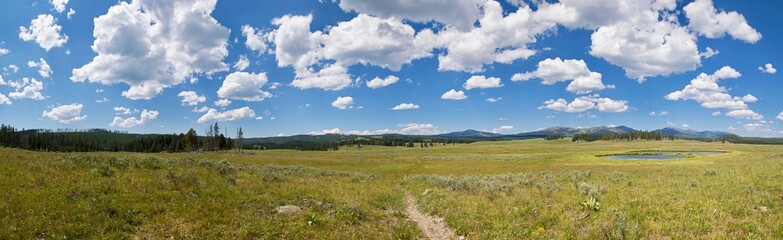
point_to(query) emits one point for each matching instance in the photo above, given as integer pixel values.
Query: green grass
(487, 190)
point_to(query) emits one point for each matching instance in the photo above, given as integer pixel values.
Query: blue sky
(310, 65)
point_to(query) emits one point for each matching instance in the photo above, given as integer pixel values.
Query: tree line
(91, 140)
(629, 136)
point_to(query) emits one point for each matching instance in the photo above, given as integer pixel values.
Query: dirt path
(432, 227)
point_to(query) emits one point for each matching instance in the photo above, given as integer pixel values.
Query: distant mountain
(569, 131)
(481, 135)
(688, 133)
(470, 133)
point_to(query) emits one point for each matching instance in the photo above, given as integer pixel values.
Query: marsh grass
(530, 189)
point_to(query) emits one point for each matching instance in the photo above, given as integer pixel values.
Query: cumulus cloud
(499, 38)
(745, 113)
(4, 100)
(44, 31)
(387, 43)
(377, 82)
(503, 129)
(492, 100)
(708, 22)
(222, 102)
(59, 5)
(242, 63)
(479, 81)
(27, 88)
(43, 67)
(405, 106)
(419, 129)
(153, 45)
(70, 14)
(768, 68)
(705, 90)
(122, 111)
(780, 116)
(551, 71)
(709, 52)
(332, 77)
(145, 117)
(4, 51)
(453, 95)
(66, 114)
(460, 14)
(256, 39)
(343, 103)
(244, 86)
(213, 115)
(191, 98)
(586, 103)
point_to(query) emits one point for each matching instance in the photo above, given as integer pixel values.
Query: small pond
(659, 155)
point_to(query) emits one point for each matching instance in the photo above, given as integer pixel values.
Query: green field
(531, 189)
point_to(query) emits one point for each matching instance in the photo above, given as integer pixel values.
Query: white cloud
(704, 19)
(244, 86)
(716, 113)
(255, 41)
(419, 129)
(387, 43)
(705, 90)
(328, 131)
(377, 82)
(642, 37)
(503, 129)
(122, 111)
(151, 46)
(66, 114)
(70, 14)
(457, 13)
(758, 126)
(780, 116)
(647, 48)
(585, 103)
(11, 68)
(343, 103)
(213, 115)
(709, 53)
(44, 31)
(331, 77)
(191, 98)
(4, 100)
(662, 113)
(453, 95)
(551, 71)
(28, 88)
(43, 67)
(201, 109)
(744, 113)
(686, 126)
(405, 106)
(4, 51)
(222, 103)
(499, 38)
(768, 68)
(145, 117)
(242, 63)
(102, 100)
(59, 5)
(492, 100)
(479, 81)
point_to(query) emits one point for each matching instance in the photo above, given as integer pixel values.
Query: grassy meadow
(531, 189)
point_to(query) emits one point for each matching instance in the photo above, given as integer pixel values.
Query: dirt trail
(432, 227)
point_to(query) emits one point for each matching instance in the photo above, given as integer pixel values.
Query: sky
(374, 66)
